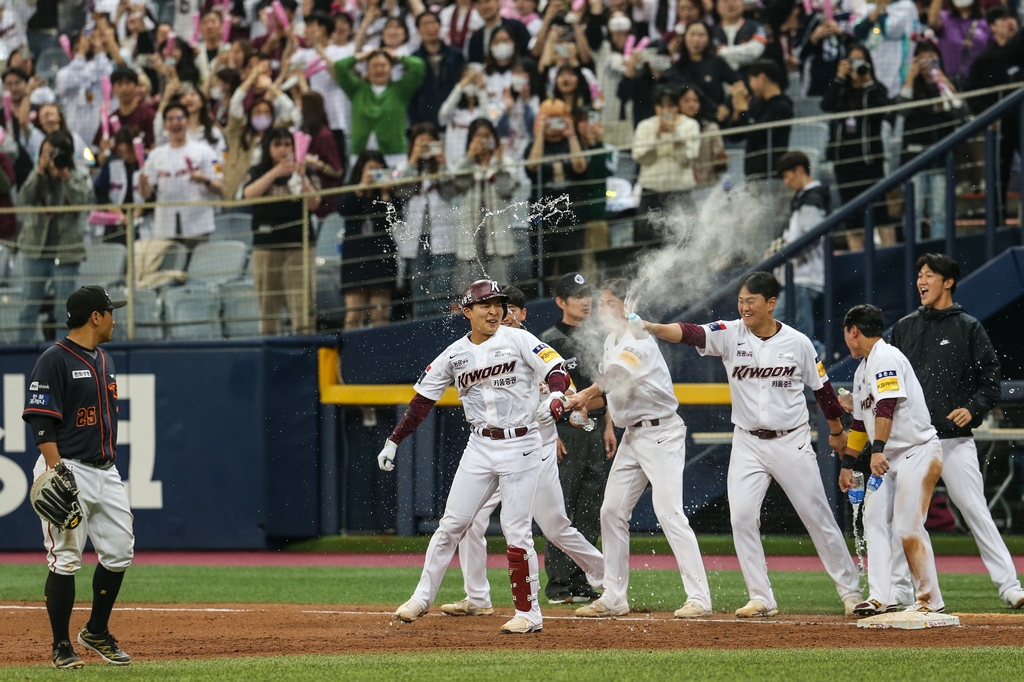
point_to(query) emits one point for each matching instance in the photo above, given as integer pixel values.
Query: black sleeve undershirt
(44, 429)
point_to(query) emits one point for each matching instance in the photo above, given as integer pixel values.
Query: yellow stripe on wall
(334, 393)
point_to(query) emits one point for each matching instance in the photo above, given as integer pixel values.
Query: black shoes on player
(64, 656)
(103, 644)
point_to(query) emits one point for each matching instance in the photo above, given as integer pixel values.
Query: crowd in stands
(188, 101)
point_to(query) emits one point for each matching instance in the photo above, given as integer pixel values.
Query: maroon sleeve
(828, 402)
(885, 409)
(693, 334)
(558, 379)
(858, 425)
(414, 415)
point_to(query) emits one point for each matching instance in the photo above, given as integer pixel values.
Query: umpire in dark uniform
(71, 406)
(581, 454)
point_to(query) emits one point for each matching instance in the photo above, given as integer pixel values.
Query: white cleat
(756, 608)
(851, 604)
(692, 609)
(1015, 599)
(520, 625)
(410, 611)
(923, 608)
(598, 609)
(464, 607)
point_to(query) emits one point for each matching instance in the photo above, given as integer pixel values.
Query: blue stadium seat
(806, 106)
(241, 309)
(232, 226)
(217, 262)
(192, 311)
(148, 315)
(809, 135)
(104, 264)
(10, 314)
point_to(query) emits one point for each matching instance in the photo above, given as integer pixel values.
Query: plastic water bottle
(636, 327)
(586, 423)
(727, 183)
(856, 490)
(872, 485)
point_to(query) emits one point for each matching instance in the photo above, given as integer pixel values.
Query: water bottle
(872, 485)
(577, 419)
(856, 489)
(636, 327)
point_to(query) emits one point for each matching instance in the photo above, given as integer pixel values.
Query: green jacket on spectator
(67, 242)
(384, 114)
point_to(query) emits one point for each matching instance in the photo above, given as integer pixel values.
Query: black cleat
(64, 656)
(105, 645)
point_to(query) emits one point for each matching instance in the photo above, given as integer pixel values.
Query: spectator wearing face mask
(501, 56)
(515, 125)
(737, 40)
(476, 51)
(443, 68)
(963, 34)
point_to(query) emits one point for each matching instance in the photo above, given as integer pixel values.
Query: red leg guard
(518, 575)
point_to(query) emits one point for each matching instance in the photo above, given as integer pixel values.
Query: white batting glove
(386, 458)
(552, 409)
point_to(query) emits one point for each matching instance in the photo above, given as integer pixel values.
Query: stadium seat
(10, 314)
(241, 309)
(232, 226)
(6, 264)
(192, 311)
(327, 239)
(148, 315)
(809, 135)
(217, 262)
(806, 106)
(104, 265)
(176, 258)
(737, 156)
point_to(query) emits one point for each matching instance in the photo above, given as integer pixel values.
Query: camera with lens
(62, 150)
(860, 67)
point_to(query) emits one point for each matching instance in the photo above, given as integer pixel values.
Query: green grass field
(655, 590)
(876, 665)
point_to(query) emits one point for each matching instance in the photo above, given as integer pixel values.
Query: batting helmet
(482, 290)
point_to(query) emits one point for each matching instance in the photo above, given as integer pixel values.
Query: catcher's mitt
(54, 497)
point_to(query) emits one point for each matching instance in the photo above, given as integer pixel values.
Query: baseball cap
(90, 299)
(571, 284)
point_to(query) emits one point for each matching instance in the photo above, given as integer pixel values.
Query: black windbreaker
(955, 362)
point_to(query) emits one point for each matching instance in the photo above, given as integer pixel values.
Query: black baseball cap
(86, 301)
(571, 284)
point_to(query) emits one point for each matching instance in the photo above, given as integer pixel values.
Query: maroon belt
(650, 422)
(501, 434)
(768, 434)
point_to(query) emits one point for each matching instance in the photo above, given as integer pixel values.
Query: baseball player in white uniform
(769, 364)
(548, 512)
(890, 412)
(637, 388)
(497, 371)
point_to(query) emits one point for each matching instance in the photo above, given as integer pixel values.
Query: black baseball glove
(54, 497)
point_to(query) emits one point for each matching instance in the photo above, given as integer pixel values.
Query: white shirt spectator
(336, 103)
(79, 94)
(168, 170)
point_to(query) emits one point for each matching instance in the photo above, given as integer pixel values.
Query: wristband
(848, 461)
(838, 433)
(877, 446)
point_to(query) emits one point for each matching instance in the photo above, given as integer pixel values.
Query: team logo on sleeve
(545, 352)
(423, 375)
(887, 381)
(716, 326)
(39, 399)
(629, 357)
(821, 367)
(36, 386)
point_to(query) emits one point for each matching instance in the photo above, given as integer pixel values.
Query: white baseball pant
(511, 466)
(894, 519)
(106, 519)
(792, 462)
(549, 513)
(964, 484)
(654, 454)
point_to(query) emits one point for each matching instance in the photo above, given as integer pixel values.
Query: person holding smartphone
(666, 147)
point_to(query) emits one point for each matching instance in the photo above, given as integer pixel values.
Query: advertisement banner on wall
(195, 441)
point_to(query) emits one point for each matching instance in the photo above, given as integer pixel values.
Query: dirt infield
(167, 632)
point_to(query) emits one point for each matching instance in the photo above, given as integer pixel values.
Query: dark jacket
(955, 362)
(520, 36)
(857, 139)
(819, 61)
(778, 108)
(998, 66)
(708, 78)
(443, 71)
